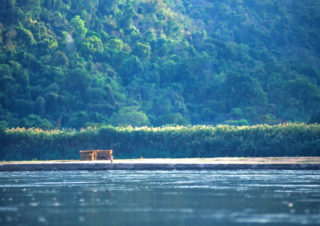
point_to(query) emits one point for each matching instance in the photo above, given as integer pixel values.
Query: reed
(288, 139)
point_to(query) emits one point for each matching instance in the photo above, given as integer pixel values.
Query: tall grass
(174, 142)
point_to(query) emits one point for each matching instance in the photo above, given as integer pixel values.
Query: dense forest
(76, 63)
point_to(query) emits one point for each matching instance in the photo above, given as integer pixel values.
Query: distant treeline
(165, 142)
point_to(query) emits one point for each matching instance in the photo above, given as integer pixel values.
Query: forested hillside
(72, 63)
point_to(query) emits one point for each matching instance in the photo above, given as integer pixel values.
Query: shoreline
(263, 163)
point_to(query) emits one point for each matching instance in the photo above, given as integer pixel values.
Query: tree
(315, 118)
(105, 6)
(40, 105)
(78, 80)
(129, 116)
(92, 45)
(171, 119)
(115, 44)
(25, 36)
(78, 120)
(79, 26)
(130, 66)
(60, 59)
(243, 90)
(141, 50)
(306, 92)
(35, 121)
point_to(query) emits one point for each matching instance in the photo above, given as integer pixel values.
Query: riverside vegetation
(74, 63)
(70, 64)
(160, 142)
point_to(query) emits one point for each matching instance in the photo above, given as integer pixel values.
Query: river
(242, 197)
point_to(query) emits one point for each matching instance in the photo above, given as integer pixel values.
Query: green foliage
(92, 45)
(171, 119)
(77, 63)
(129, 116)
(60, 59)
(115, 44)
(79, 26)
(141, 50)
(34, 120)
(156, 142)
(3, 127)
(241, 122)
(25, 35)
(243, 90)
(305, 91)
(315, 118)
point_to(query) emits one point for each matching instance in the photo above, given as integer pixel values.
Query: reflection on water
(245, 197)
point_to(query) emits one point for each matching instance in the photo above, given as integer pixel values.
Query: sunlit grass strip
(288, 139)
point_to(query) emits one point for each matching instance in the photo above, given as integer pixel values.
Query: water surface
(245, 197)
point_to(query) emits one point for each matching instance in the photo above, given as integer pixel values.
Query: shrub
(170, 141)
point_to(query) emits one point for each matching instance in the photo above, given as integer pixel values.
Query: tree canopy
(72, 63)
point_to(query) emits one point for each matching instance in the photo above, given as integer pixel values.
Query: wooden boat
(96, 155)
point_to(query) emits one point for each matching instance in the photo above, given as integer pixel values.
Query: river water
(243, 197)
